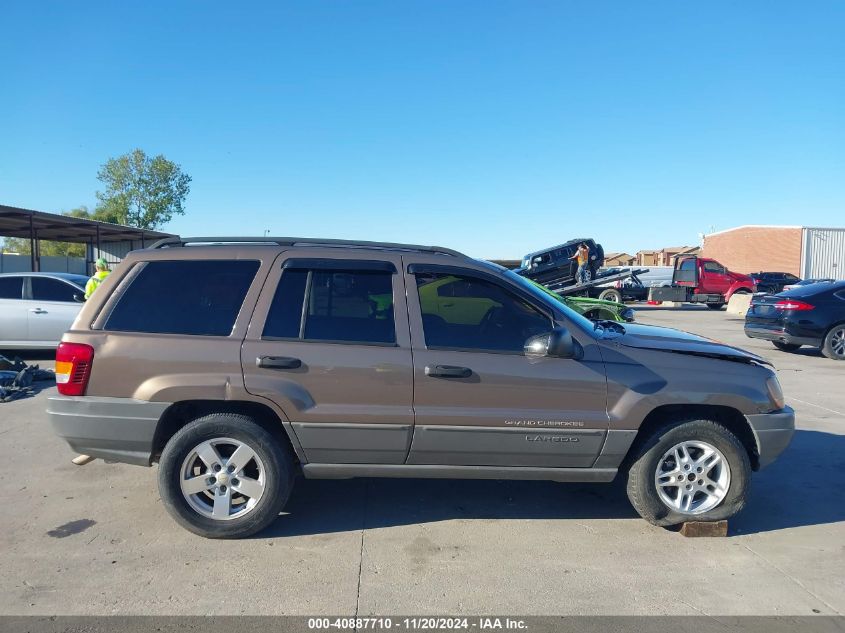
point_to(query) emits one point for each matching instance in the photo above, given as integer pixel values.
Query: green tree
(141, 191)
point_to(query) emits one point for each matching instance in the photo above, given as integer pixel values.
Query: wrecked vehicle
(237, 363)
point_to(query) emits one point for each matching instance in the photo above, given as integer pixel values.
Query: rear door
(329, 344)
(478, 399)
(51, 309)
(13, 311)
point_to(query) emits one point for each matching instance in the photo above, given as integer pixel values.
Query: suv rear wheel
(689, 471)
(224, 476)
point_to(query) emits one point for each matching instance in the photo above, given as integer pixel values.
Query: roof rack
(170, 242)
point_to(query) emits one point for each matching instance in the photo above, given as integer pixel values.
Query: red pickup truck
(703, 280)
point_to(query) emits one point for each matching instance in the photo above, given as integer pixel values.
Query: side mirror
(558, 344)
(79, 297)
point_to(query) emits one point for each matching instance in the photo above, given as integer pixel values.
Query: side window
(484, 316)
(11, 287)
(285, 315)
(325, 305)
(195, 297)
(713, 267)
(461, 288)
(46, 289)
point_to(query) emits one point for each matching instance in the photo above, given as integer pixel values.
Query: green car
(451, 299)
(593, 309)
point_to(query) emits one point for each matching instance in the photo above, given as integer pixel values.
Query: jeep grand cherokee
(236, 363)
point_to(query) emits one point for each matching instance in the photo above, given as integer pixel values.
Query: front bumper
(773, 432)
(115, 429)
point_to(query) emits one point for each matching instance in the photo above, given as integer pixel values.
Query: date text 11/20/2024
(416, 623)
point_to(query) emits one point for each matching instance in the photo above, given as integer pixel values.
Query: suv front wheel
(689, 471)
(224, 476)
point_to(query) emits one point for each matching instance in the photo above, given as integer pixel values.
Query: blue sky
(492, 127)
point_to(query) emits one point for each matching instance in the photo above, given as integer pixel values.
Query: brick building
(800, 250)
(665, 256)
(619, 259)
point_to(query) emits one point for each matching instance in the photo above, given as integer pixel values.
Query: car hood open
(665, 339)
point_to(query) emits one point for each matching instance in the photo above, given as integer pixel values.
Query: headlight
(775, 392)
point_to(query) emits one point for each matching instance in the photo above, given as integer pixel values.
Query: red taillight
(793, 304)
(73, 368)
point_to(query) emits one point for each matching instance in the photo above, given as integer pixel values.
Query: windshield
(548, 297)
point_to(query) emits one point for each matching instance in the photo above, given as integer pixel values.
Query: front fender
(641, 380)
(737, 287)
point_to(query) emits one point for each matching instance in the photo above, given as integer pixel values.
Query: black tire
(715, 306)
(786, 347)
(831, 346)
(611, 294)
(278, 476)
(642, 491)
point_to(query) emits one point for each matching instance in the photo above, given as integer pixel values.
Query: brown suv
(237, 363)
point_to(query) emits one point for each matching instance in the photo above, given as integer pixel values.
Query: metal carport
(39, 225)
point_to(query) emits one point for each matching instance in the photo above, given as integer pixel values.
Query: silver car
(37, 308)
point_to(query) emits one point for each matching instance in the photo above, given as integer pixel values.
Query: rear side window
(340, 306)
(687, 264)
(45, 289)
(201, 297)
(11, 287)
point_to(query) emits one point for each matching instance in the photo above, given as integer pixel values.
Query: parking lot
(96, 539)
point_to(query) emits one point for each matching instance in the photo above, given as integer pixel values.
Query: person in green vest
(102, 271)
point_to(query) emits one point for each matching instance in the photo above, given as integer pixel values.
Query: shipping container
(823, 253)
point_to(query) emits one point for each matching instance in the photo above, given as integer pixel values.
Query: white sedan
(36, 309)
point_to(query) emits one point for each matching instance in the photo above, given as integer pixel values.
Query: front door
(329, 344)
(716, 278)
(478, 399)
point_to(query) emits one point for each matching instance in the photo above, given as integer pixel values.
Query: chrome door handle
(38, 311)
(448, 371)
(278, 362)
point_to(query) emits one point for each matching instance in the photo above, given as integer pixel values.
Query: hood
(593, 302)
(664, 339)
(740, 277)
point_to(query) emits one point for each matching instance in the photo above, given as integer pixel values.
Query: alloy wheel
(692, 477)
(837, 342)
(222, 478)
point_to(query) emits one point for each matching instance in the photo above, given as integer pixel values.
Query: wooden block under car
(705, 528)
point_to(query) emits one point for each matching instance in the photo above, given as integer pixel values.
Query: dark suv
(237, 365)
(773, 283)
(556, 263)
